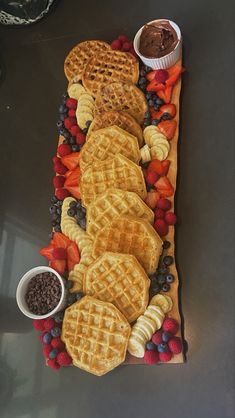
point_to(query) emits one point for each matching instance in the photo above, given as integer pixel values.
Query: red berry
(126, 46)
(157, 337)
(151, 357)
(80, 138)
(38, 324)
(56, 160)
(170, 218)
(175, 345)
(49, 324)
(170, 325)
(151, 177)
(132, 51)
(159, 214)
(116, 44)
(52, 363)
(161, 76)
(59, 254)
(41, 336)
(75, 130)
(166, 356)
(72, 113)
(46, 350)
(58, 181)
(123, 38)
(61, 194)
(164, 204)
(71, 103)
(60, 168)
(64, 149)
(57, 343)
(69, 122)
(161, 227)
(64, 359)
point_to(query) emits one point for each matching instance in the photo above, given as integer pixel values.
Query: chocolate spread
(157, 39)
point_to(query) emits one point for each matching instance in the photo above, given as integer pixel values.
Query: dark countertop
(30, 93)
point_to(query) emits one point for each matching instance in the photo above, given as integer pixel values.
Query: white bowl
(22, 288)
(166, 61)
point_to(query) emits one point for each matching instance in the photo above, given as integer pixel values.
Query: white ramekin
(168, 60)
(22, 288)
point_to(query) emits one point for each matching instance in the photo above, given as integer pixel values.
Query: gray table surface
(30, 92)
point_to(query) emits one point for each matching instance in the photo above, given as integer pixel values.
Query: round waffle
(108, 66)
(121, 96)
(119, 279)
(114, 203)
(96, 335)
(130, 235)
(105, 143)
(78, 57)
(117, 172)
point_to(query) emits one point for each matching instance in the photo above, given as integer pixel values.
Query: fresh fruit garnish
(168, 128)
(170, 218)
(164, 187)
(59, 253)
(116, 44)
(155, 86)
(59, 240)
(61, 193)
(122, 38)
(161, 227)
(74, 191)
(47, 252)
(71, 161)
(58, 181)
(151, 177)
(73, 256)
(174, 74)
(71, 103)
(69, 122)
(164, 204)
(80, 138)
(63, 149)
(72, 113)
(165, 94)
(60, 168)
(152, 197)
(159, 214)
(165, 167)
(73, 178)
(161, 76)
(126, 46)
(75, 130)
(156, 166)
(58, 265)
(168, 108)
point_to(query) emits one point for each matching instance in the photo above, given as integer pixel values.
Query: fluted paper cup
(167, 60)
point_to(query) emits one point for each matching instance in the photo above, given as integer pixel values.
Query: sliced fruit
(75, 191)
(161, 76)
(73, 256)
(60, 240)
(151, 75)
(156, 165)
(164, 187)
(174, 74)
(166, 94)
(168, 108)
(47, 252)
(58, 265)
(168, 128)
(152, 198)
(71, 161)
(165, 167)
(73, 178)
(155, 86)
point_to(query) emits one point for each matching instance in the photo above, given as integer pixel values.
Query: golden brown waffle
(78, 57)
(117, 172)
(119, 279)
(109, 66)
(121, 119)
(96, 335)
(106, 143)
(130, 235)
(121, 96)
(114, 203)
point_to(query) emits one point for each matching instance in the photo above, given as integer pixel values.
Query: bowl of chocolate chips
(41, 293)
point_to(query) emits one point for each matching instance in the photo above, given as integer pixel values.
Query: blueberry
(54, 216)
(71, 212)
(145, 165)
(79, 204)
(54, 199)
(163, 269)
(54, 223)
(166, 116)
(150, 346)
(151, 103)
(88, 122)
(147, 115)
(83, 210)
(170, 278)
(58, 317)
(162, 348)
(73, 204)
(63, 132)
(161, 278)
(156, 288)
(159, 101)
(166, 336)
(66, 133)
(75, 148)
(155, 122)
(148, 95)
(149, 187)
(72, 141)
(71, 298)
(165, 287)
(168, 260)
(156, 107)
(50, 235)
(57, 228)
(60, 202)
(82, 223)
(143, 87)
(47, 338)
(65, 96)
(79, 295)
(55, 332)
(142, 71)
(62, 109)
(142, 80)
(53, 353)
(166, 244)
(69, 284)
(147, 68)
(58, 210)
(52, 209)
(59, 124)
(146, 123)
(80, 214)
(65, 141)
(153, 276)
(84, 131)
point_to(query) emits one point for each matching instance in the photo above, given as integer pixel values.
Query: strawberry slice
(47, 252)
(58, 265)
(166, 94)
(164, 187)
(168, 127)
(75, 191)
(151, 75)
(67, 174)
(165, 167)
(152, 198)
(60, 240)
(174, 74)
(71, 161)
(73, 178)
(168, 108)
(154, 85)
(73, 256)
(156, 166)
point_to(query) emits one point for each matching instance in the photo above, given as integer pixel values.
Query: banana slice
(156, 314)
(164, 302)
(135, 347)
(87, 103)
(170, 301)
(145, 154)
(83, 108)
(86, 96)
(83, 118)
(76, 90)
(154, 137)
(157, 152)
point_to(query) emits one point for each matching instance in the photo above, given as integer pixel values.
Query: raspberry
(75, 130)
(116, 44)
(71, 103)
(52, 363)
(64, 359)
(72, 113)
(61, 194)
(49, 324)
(69, 122)
(170, 325)
(46, 350)
(151, 357)
(58, 181)
(64, 149)
(161, 227)
(59, 254)
(80, 138)
(38, 324)
(60, 168)
(164, 204)
(157, 337)
(159, 214)
(126, 46)
(161, 76)
(175, 345)
(151, 177)
(57, 343)
(123, 38)
(56, 160)
(132, 51)
(170, 218)
(165, 356)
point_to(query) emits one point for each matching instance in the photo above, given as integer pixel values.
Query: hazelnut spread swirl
(157, 39)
